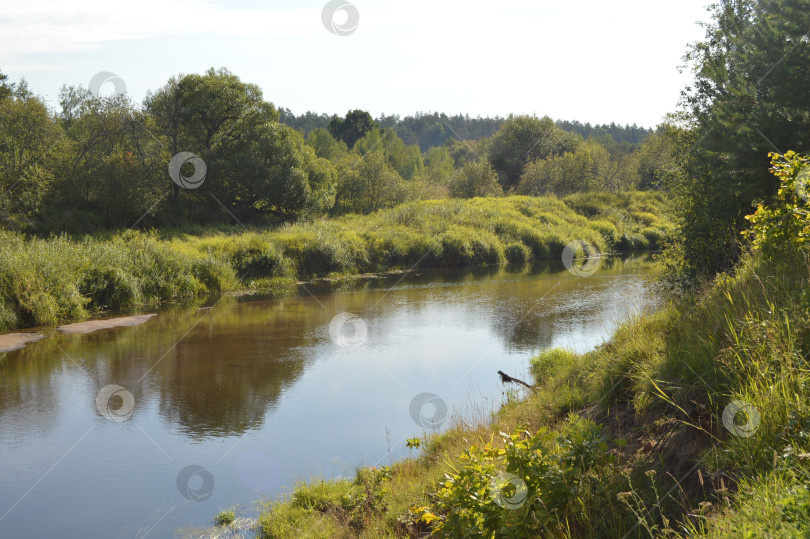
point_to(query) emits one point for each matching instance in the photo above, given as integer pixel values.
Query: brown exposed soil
(15, 341)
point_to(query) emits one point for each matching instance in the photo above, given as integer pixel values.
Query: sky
(588, 60)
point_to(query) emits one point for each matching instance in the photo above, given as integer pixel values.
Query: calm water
(257, 393)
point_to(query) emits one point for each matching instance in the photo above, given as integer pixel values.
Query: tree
(206, 114)
(6, 88)
(269, 171)
(590, 167)
(326, 146)
(522, 139)
(30, 141)
(475, 179)
(368, 183)
(350, 129)
(749, 98)
(112, 170)
(660, 155)
(439, 165)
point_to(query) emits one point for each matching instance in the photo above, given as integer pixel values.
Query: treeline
(430, 129)
(208, 148)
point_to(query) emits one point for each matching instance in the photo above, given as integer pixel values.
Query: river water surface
(236, 401)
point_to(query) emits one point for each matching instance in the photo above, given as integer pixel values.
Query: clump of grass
(224, 518)
(517, 254)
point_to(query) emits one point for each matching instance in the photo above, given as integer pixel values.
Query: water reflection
(218, 371)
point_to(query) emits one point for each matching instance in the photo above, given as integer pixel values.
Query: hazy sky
(589, 60)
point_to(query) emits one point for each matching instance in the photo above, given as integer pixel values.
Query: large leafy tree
(30, 142)
(205, 114)
(270, 171)
(353, 127)
(367, 183)
(255, 165)
(523, 139)
(111, 171)
(749, 98)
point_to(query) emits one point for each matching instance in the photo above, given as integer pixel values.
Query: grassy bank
(637, 438)
(45, 281)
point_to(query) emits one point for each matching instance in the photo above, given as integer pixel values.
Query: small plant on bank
(413, 443)
(224, 518)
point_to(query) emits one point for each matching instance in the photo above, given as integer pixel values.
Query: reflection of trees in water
(220, 378)
(234, 364)
(28, 395)
(527, 309)
(223, 377)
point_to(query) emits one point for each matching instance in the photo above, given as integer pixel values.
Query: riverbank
(48, 281)
(691, 421)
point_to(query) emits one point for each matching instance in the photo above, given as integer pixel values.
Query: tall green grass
(44, 281)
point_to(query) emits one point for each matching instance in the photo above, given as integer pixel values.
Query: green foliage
(439, 165)
(588, 168)
(367, 184)
(413, 443)
(326, 146)
(774, 505)
(785, 222)
(353, 127)
(327, 505)
(475, 179)
(6, 88)
(550, 478)
(29, 141)
(517, 254)
(658, 156)
(523, 139)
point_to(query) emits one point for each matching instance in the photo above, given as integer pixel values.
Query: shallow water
(256, 393)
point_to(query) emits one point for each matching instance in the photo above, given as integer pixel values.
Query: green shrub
(631, 242)
(110, 288)
(259, 259)
(606, 229)
(44, 281)
(654, 237)
(532, 484)
(215, 275)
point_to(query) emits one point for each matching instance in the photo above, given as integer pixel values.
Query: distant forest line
(431, 129)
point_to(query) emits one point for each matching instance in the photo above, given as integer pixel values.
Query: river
(140, 431)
